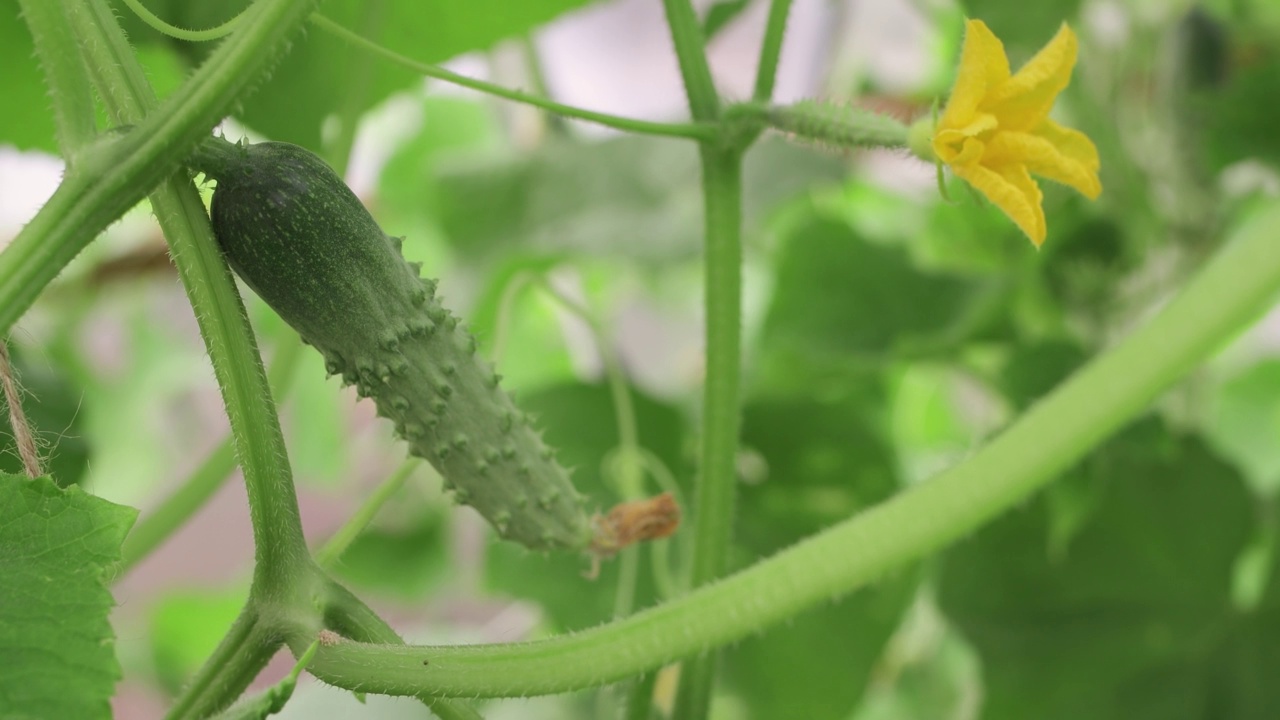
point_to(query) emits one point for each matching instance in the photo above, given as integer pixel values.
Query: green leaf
(824, 465)
(59, 544)
(453, 129)
(1123, 619)
(837, 293)
(1036, 368)
(580, 424)
(1234, 128)
(324, 75)
(633, 197)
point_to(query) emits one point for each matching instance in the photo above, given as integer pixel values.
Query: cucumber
(297, 235)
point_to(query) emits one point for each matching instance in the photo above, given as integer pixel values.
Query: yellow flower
(996, 129)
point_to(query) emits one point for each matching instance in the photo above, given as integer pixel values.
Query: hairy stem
(716, 489)
(345, 613)
(65, 76)
(1231, 290)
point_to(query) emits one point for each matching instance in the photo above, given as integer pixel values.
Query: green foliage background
(888, 335)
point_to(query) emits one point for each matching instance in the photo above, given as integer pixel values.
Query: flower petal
(950, 145)
(1062, 155)
(983, 65)
(1011, 189)
(1070, 142)
(1024, 100)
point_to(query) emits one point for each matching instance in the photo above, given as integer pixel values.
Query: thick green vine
(1228, 293)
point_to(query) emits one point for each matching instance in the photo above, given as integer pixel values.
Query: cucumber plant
(796, 500)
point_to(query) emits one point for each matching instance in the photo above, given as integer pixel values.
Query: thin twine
(17, 418)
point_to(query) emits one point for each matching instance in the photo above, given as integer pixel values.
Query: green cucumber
(297, 235)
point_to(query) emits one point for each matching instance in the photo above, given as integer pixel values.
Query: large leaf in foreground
(56, 645)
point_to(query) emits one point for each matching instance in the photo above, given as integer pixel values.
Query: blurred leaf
(1237, 122)
(1084, 265)
(926, 420)
(1239, 126)
(323, 75)
(836, 293)
(27, 120)
(1023, 27)
(580, 424)
(452, 128)
(1122, 621)
(1244, 423)
(404, 553)
(971, 237)
(59, 544)
(1036, 368)
(633, 197)
(144, 395)
(52, 404)
(534, 350)
(186, 626)
(824, 465)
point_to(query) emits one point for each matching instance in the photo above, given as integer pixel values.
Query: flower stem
(692, 131)
(1231, 290)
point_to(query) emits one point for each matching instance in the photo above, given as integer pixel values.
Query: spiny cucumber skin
(297, 235)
